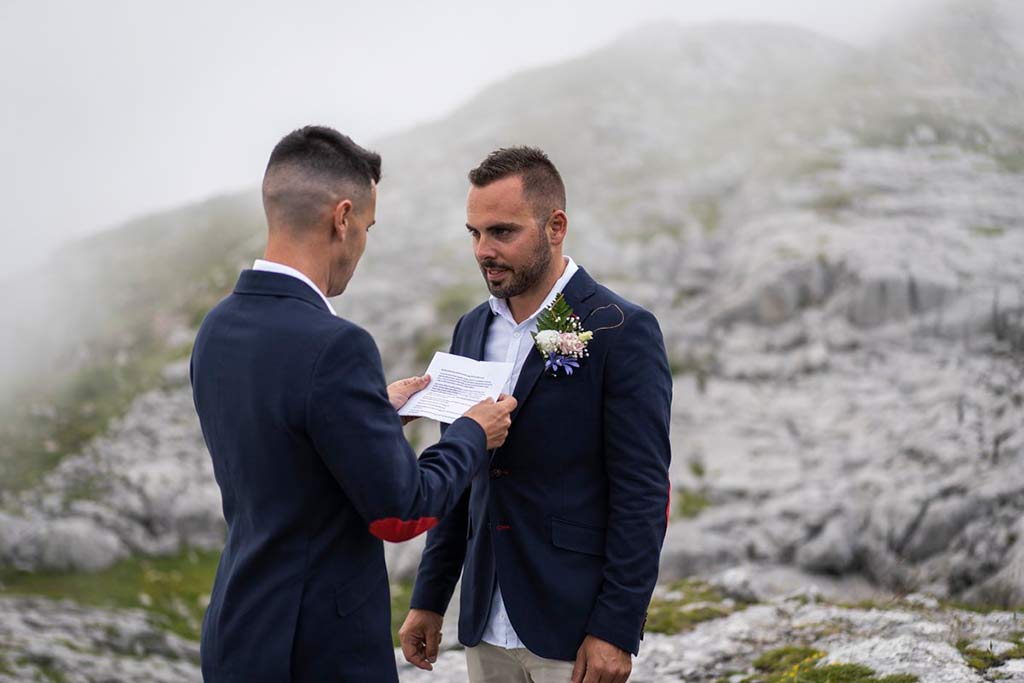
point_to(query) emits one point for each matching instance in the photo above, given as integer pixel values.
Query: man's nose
(485, 249)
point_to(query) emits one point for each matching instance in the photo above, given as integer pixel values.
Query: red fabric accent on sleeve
(398, 530)
(668, 508)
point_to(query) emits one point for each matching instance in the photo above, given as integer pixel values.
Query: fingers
(413, 641)
(433, 643)
(414, 384)
(580, 667)
(509, 403)
(413, 650)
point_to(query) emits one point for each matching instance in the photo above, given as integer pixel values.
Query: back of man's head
(312, 169)
(542, 183)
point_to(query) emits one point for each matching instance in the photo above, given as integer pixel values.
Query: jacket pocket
(352, 594)
(581, 538)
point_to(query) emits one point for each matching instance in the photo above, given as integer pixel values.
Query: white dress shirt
(510, 342)
(273, 267)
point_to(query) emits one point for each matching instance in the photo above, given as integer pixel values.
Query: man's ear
(558, 225)
(342, 212)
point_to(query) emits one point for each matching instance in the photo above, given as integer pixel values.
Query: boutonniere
(560, 337)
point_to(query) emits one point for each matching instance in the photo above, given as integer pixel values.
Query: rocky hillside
(831, 239)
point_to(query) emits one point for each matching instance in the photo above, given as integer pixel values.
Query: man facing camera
(307, 446)
(558, 541)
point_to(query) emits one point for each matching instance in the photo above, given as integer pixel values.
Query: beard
(523, 279)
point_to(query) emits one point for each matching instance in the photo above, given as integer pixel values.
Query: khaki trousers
(492, 664)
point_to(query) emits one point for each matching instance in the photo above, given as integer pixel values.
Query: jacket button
(498, 472)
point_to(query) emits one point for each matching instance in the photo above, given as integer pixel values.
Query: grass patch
(983, 660)
(688, 602)
(401, 595)
(175, 588)
(988, 230)
(690, 503)
(696, 468)
(795, 664)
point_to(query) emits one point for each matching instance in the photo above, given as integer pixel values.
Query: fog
(115, 109)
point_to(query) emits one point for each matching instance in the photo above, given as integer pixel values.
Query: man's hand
(399, 392)
(494, 418)
(420, 637)
(598, 661)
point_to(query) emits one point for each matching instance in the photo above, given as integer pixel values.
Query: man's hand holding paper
(457, 384)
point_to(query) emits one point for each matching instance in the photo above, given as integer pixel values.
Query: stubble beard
(526, 277)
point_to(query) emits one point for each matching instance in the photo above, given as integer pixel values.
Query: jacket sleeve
(445, 551)
(637, 408)
(358, 434)
(442, 560)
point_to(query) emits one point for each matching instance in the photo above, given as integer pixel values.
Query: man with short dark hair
(558, 542)
(307, 446)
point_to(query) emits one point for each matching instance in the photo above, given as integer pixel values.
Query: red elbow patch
(668, 508)
(398, 530)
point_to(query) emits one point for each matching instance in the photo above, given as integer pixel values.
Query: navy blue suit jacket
(314, 471)
(570, 517)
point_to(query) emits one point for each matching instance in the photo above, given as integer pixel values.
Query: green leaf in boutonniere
(557, 316)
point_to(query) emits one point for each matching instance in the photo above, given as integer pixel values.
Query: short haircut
(542, 184)
(309, 167)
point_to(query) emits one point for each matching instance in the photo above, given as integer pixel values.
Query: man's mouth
(495, 273)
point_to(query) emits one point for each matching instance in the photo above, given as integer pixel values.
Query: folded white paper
(456, 384)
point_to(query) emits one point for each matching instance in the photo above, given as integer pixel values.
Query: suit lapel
(476, 333)
(576, 292)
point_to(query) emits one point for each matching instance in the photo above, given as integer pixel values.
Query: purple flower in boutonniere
(560, 338)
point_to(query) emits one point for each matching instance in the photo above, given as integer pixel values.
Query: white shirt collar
(273, 267)
(500, 306)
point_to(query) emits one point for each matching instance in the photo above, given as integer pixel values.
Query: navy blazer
(314, 471)
(571, 515)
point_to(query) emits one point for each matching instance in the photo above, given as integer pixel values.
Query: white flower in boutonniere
(560, 338)
(547, 341)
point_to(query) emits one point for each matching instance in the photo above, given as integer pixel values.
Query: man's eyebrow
(507, 226)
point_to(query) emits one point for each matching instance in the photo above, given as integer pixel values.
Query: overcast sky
(114, 109)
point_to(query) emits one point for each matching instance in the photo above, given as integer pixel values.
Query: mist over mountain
(831, 238)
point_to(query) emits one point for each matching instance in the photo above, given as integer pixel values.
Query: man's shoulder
(291, 318)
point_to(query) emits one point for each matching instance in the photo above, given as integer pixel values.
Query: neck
(300, 258)
(524, 305)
